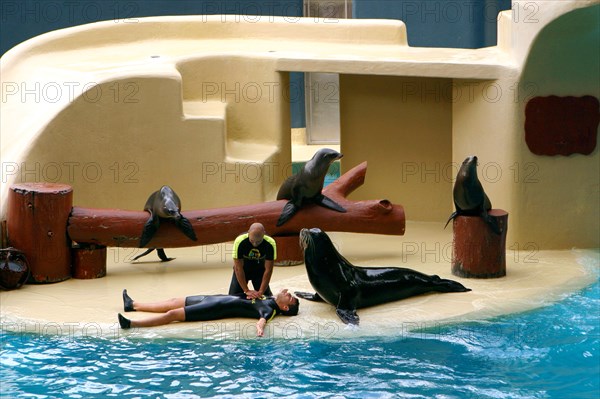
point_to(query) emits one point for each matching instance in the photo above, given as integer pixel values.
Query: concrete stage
(89, 307)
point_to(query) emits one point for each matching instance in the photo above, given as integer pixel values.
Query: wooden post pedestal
(289, 252)
(37, 225)
(89, 261)
(477, 251)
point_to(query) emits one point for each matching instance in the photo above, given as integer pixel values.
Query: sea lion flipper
(492, 222)
(454, 214)
(309, 297)
(186, 227)
(329, 203)
(445, 285)
(348, 316)
(143, 254)
(162, 255)
(149, 230)
(288, 211)
(346, 308)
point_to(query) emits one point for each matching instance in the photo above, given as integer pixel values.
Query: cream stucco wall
(403, 127)
(560, 201)
(124, 138)
(175, 100)
(200, 103)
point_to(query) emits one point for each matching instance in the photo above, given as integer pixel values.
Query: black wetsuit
(214, 307)
(254, 262)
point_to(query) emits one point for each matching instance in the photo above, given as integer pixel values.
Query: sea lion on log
(306, 185)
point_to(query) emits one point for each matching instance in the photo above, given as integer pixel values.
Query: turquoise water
(553, 352)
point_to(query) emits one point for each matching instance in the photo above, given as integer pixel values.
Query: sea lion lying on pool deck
(349, 287)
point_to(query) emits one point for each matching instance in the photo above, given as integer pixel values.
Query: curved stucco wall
(552, 200)
(563, 61)
(117, 110)
(122, 139)
(196, 121)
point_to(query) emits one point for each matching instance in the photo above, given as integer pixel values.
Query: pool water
(553, 352)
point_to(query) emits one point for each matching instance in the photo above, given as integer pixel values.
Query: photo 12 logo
(247, 172)
(69, 12)
(488, 172)
(67, 92)
(70, 172)
(70, 330)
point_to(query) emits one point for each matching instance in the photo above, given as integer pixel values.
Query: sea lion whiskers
(306, 241)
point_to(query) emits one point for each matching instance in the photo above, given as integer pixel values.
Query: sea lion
(306, 185)
(349, 287)
(163, 204)
(159, 251)
(469, 197)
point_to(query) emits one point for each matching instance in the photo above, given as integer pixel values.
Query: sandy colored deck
(89, 307)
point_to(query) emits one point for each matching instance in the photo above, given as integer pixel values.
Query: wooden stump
(37, 224)
(477, 251)
(89, 261)
(289, 252)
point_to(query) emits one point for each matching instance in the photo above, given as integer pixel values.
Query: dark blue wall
(24, 19)
(439, 23)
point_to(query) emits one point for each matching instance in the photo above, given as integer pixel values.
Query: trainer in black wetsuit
(253, 255)
(214, 307)
(210, 307)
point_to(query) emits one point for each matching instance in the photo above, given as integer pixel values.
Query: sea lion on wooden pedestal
(163, 204)
(349, 287)
(306, 185)
(469, 197)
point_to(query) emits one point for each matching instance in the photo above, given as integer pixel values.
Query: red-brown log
(289, 252)
(36, 219)
(88, 262)
(118, 228)
(477, 251)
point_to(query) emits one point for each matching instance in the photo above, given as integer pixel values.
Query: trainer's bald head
(256, 233)
(256, 228)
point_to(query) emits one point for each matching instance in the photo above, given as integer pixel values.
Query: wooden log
(89, 261)
(477, 251)
(36, 223)
(118, 228)
(289, 252)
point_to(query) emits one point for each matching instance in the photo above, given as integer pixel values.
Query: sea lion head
(312, 237)
(170, 210)
(170, 207)
(468, 192)
(316, 242)
(320, 162)
(306, 238)
(468, 169)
